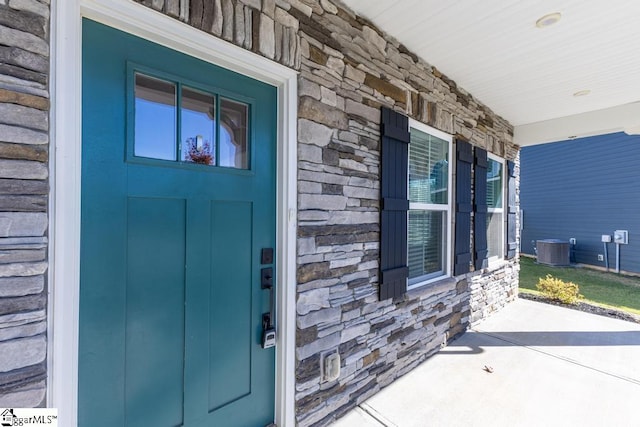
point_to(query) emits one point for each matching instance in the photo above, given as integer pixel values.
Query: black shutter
(462, 251)
(395, 204)
(480, 209)
(511, 212)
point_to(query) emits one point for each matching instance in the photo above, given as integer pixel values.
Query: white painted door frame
(65, 173)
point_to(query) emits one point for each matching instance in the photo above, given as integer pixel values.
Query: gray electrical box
(606, 238)
(621, 237)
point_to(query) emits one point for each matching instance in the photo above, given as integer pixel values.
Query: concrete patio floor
(552, 366)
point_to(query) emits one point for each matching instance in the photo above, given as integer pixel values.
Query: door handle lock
(268, 328)
(268, 332)
(266, 278)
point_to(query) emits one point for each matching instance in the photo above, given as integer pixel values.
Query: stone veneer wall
(348, 69)
(24, 126)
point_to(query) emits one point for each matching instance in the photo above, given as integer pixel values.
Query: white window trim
(447, 223)
(499, 259)
(65, 173)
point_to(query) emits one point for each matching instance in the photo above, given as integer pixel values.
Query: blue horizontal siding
(583, 188)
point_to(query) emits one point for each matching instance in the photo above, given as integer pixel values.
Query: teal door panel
(155, 311)
(230, 346)
(170, 299)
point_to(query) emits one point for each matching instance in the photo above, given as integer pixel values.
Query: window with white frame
(429, 235)
(495, 208)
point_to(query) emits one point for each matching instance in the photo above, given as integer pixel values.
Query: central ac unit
(553, 252)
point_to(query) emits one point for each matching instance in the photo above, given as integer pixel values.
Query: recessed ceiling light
(548, 20)
(582, 92)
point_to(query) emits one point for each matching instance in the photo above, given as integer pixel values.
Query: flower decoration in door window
(198, 151)
(198, 126)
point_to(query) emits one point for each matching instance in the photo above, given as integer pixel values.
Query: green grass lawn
(607, 289)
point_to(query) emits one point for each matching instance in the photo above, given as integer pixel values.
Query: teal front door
(178, 202)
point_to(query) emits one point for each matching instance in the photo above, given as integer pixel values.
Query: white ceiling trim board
(623, 118)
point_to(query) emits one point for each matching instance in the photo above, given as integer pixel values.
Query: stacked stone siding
(24, 188)
(348, 70)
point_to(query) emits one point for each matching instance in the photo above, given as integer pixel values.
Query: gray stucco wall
(24, 127)
(582, 189)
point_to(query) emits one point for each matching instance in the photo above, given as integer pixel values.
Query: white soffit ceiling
(526, 74)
